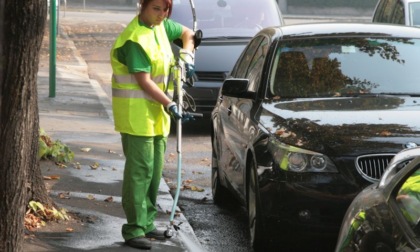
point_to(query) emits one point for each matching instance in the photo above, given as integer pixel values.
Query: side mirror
(237, 88)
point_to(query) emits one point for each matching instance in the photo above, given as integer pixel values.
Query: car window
(345, 67)
(228, 18)
(241, 68)
(408, 199)
(255, 67)
(414, 12)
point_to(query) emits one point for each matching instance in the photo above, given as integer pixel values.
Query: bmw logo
(409, 145)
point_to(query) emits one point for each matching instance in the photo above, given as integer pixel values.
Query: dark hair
(168, 5)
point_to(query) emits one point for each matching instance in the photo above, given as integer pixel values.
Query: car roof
(341, 30)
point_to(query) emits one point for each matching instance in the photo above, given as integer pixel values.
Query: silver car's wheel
(255, 220)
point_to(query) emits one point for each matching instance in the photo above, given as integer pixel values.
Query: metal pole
(53, 46)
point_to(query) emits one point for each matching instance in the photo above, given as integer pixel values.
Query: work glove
(173, 110)
(188, 58)
(187, 117)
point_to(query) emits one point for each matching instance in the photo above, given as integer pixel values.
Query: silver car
(385, 216)
(228, 26)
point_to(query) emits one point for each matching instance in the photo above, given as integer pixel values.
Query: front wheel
(220, 193)
(255, 218)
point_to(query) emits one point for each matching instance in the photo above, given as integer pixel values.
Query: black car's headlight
(294, 159)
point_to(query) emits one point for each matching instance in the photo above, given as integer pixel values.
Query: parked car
(310, 115)
(403, 12)
(385, 216)
(227, 26)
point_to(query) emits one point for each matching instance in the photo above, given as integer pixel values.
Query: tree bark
(22, 25)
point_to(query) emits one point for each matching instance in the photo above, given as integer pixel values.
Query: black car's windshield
(346, 67)
(227, 18)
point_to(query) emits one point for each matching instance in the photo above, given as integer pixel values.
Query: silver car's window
(346, 67)
(227, 18)
(414, 12)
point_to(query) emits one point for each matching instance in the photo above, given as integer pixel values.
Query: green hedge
(334, 3)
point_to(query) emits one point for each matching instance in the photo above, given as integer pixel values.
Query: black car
(385, 216)
(310, 116)
(227, 26)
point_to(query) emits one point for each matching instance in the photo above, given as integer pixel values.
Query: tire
(255, 218)
(220, 194)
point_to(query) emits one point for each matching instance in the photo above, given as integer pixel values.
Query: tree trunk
(22, 25)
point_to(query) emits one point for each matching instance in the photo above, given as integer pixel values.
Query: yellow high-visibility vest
(135, 112)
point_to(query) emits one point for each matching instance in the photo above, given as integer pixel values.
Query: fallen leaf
(61, 165)
(385, 133)
(65, 195)
(109, 199)
(69, 229)
(85, 149)
(197, 189)
(51, 177)
(94, 166)
(90, 197)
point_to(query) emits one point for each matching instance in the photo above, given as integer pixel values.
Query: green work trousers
(142, 173)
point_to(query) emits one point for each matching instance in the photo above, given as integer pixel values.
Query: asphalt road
(218, 229)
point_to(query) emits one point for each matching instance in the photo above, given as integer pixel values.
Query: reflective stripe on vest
(130, 79)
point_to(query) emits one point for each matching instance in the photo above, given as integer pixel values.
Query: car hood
(345, 126)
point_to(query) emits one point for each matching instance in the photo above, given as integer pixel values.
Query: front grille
(371, 167)
(211, 76)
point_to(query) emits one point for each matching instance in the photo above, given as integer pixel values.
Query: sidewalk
(80, 116)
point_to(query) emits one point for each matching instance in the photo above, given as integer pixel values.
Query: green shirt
(132, 54)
